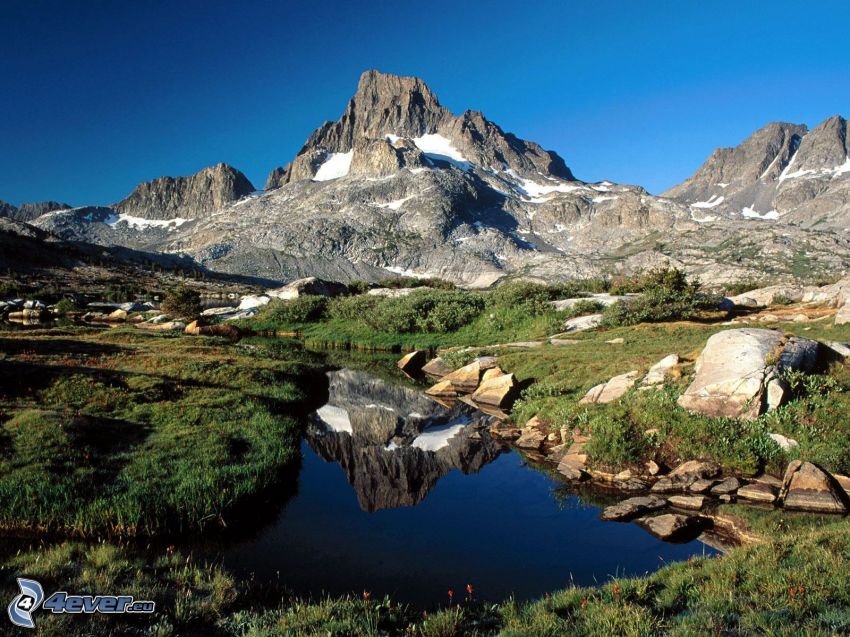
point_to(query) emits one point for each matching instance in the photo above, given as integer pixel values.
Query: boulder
(842, 316)
(466, 378)
(310, 285)
(220, 329)
(693, 470)
(193, 329)
(737, 373)
(162, 327)
(582, 323)
(602, 299)
(691, 502)
(674, 526)
(616, 341)
(118, 315)
(702, 485)
(807, 487)
(726, 487)
(495, 372)
(252, 301)
(843, 482)
(758, 492)
(612, 390)
(658, 373)
(841, 349)
(443, 389)
(573, 467)
(413, 362)
(392, 293)
(633, 507)
(498, 390)
(530, 438)
(436, 367)
(786, 444)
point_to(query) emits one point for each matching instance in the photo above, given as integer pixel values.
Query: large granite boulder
(843, 315)
(674, 527)
(413, 362)
(807, 487)
(309, 285)
(738, 372)
(499, 390)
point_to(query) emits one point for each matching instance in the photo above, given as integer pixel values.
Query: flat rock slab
(702, 486)
(582, 323)
(674, 527)
(758, 492)
(465, 378)
(633, 507)
(692, 502)
(695, 470)
(437, 367)
(612, 390)
(443, 389)
(726, 487)
(842, 317)
(807, 487)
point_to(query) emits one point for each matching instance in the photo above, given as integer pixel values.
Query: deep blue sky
(96, 96)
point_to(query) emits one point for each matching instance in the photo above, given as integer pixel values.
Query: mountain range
(398, 184)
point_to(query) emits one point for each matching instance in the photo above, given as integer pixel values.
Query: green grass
(176, 433)
(792, 583)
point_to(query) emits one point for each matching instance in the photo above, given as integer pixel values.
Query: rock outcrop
(738, 372)
(198, 195)
(783, 173)
(28, 211)
(611, 390)
(807, 487)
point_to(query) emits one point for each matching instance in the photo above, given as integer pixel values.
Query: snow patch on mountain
(335, 166)
(750, 213)
(713, 201)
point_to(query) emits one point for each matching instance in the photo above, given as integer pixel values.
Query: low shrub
(302, 309)
(666, 295)
(182, 301)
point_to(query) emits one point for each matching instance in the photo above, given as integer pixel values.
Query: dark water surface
(382, 509)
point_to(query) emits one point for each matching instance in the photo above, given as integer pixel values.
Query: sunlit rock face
(395, 443)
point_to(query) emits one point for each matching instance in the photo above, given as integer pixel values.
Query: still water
(400, 495)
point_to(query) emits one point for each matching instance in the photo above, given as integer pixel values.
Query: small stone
(674, 526)
(666, 485)
(616, 341)
(693, 502)
(696, 469)
(652, 468)
(553, 437)
(702, 486)
(623, 475)
(726, 487)
(633, 507)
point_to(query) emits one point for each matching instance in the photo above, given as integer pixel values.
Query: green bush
(532, 297)
(398, 282)
(617, 440)
(667, 295)
(583, 308)
(427, 310)
(183, 302)
(781, 299)
(303, 309)
(65, 306)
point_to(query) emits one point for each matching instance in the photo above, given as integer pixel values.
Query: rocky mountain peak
(197, 195)
(29, 211)
(404, 109)
(826, 147)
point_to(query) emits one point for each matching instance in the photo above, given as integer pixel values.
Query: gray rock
(612, 390)
(308, 286)
(738, 372)
(758, 492)
(807, 487)
(691, 502)
(726, 487)
(633, 507)
(674, 526)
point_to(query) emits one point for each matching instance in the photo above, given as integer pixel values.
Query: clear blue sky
(96, 96)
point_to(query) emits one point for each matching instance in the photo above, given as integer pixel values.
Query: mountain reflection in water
(395, 443)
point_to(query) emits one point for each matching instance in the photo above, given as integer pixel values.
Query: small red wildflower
(366, 595)
(616, 589)
(584, 603)
(451, 593)
(469, 589)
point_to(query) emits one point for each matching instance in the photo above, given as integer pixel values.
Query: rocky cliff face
(29, 211)
(400, 185)
(782, 173)
(198, 195)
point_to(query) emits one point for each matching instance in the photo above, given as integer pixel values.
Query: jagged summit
(29, 211)
(402, 119)
(197, 195)
(782, 172)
